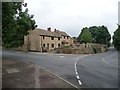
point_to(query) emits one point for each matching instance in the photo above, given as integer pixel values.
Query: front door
(48, 46)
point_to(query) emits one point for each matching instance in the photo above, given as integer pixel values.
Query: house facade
(45, 40)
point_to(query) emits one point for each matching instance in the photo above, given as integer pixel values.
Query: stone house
(45, 40)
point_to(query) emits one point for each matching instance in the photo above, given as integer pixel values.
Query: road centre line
(75, 68)
(78, 78)
(80, 83)
(76, 72)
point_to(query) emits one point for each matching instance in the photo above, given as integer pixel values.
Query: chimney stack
(49, 29)
(55, 30)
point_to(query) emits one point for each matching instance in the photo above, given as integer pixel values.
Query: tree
(100, 35)
(93, 30)
(85, 36)
(15, 23)
(116, 38)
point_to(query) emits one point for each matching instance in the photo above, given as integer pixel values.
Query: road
(83, 71)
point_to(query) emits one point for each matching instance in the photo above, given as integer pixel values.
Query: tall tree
(116, 38)
(15, 23)
(100, 35)
(85, 36)
(93, 30)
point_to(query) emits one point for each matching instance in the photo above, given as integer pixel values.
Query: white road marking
(76, 73)
(78, 77)
(104, 61)
(75, 65)
(80, 83)
(75, 70)
(59, 77)
(61, 56)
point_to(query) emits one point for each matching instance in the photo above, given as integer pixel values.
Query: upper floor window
(67, 37)
(43, 37)
(64, 37)
(59, 38)
(52, 38)
(52, 45)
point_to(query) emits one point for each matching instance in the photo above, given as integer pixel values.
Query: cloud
(72, 15)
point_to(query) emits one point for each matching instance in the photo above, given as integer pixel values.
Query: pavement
(18, 74)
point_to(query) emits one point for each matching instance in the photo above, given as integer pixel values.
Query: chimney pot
(49, 29)
(55, 30)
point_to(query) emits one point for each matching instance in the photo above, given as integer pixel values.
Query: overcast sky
(72, 15)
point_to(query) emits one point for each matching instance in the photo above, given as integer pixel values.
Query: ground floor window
(43, 45)
(48, 46)
(59, 45)
(58, 38)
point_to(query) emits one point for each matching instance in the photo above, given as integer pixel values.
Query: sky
(73, 15)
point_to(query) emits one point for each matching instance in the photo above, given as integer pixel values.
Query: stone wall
(36, 42)
(83, 49)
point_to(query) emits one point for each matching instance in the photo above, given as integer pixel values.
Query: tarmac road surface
(83, 71)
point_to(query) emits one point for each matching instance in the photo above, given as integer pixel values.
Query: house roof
(56, 33)
(61, 33)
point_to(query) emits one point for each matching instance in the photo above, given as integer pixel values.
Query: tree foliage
(85, 36)
(116, 38)
(15, 23)
(95, 34)
(100, 35)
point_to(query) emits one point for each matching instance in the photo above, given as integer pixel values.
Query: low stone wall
(83, 49)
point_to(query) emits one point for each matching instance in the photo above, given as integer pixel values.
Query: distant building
(46, 40)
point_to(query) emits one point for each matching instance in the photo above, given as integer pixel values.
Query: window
(43, 45)
(43, 37)
(59, 45)
(64, 37)
(52, 45)
(67, 37)
(52, 38)
(59, 38)
(48, 46)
